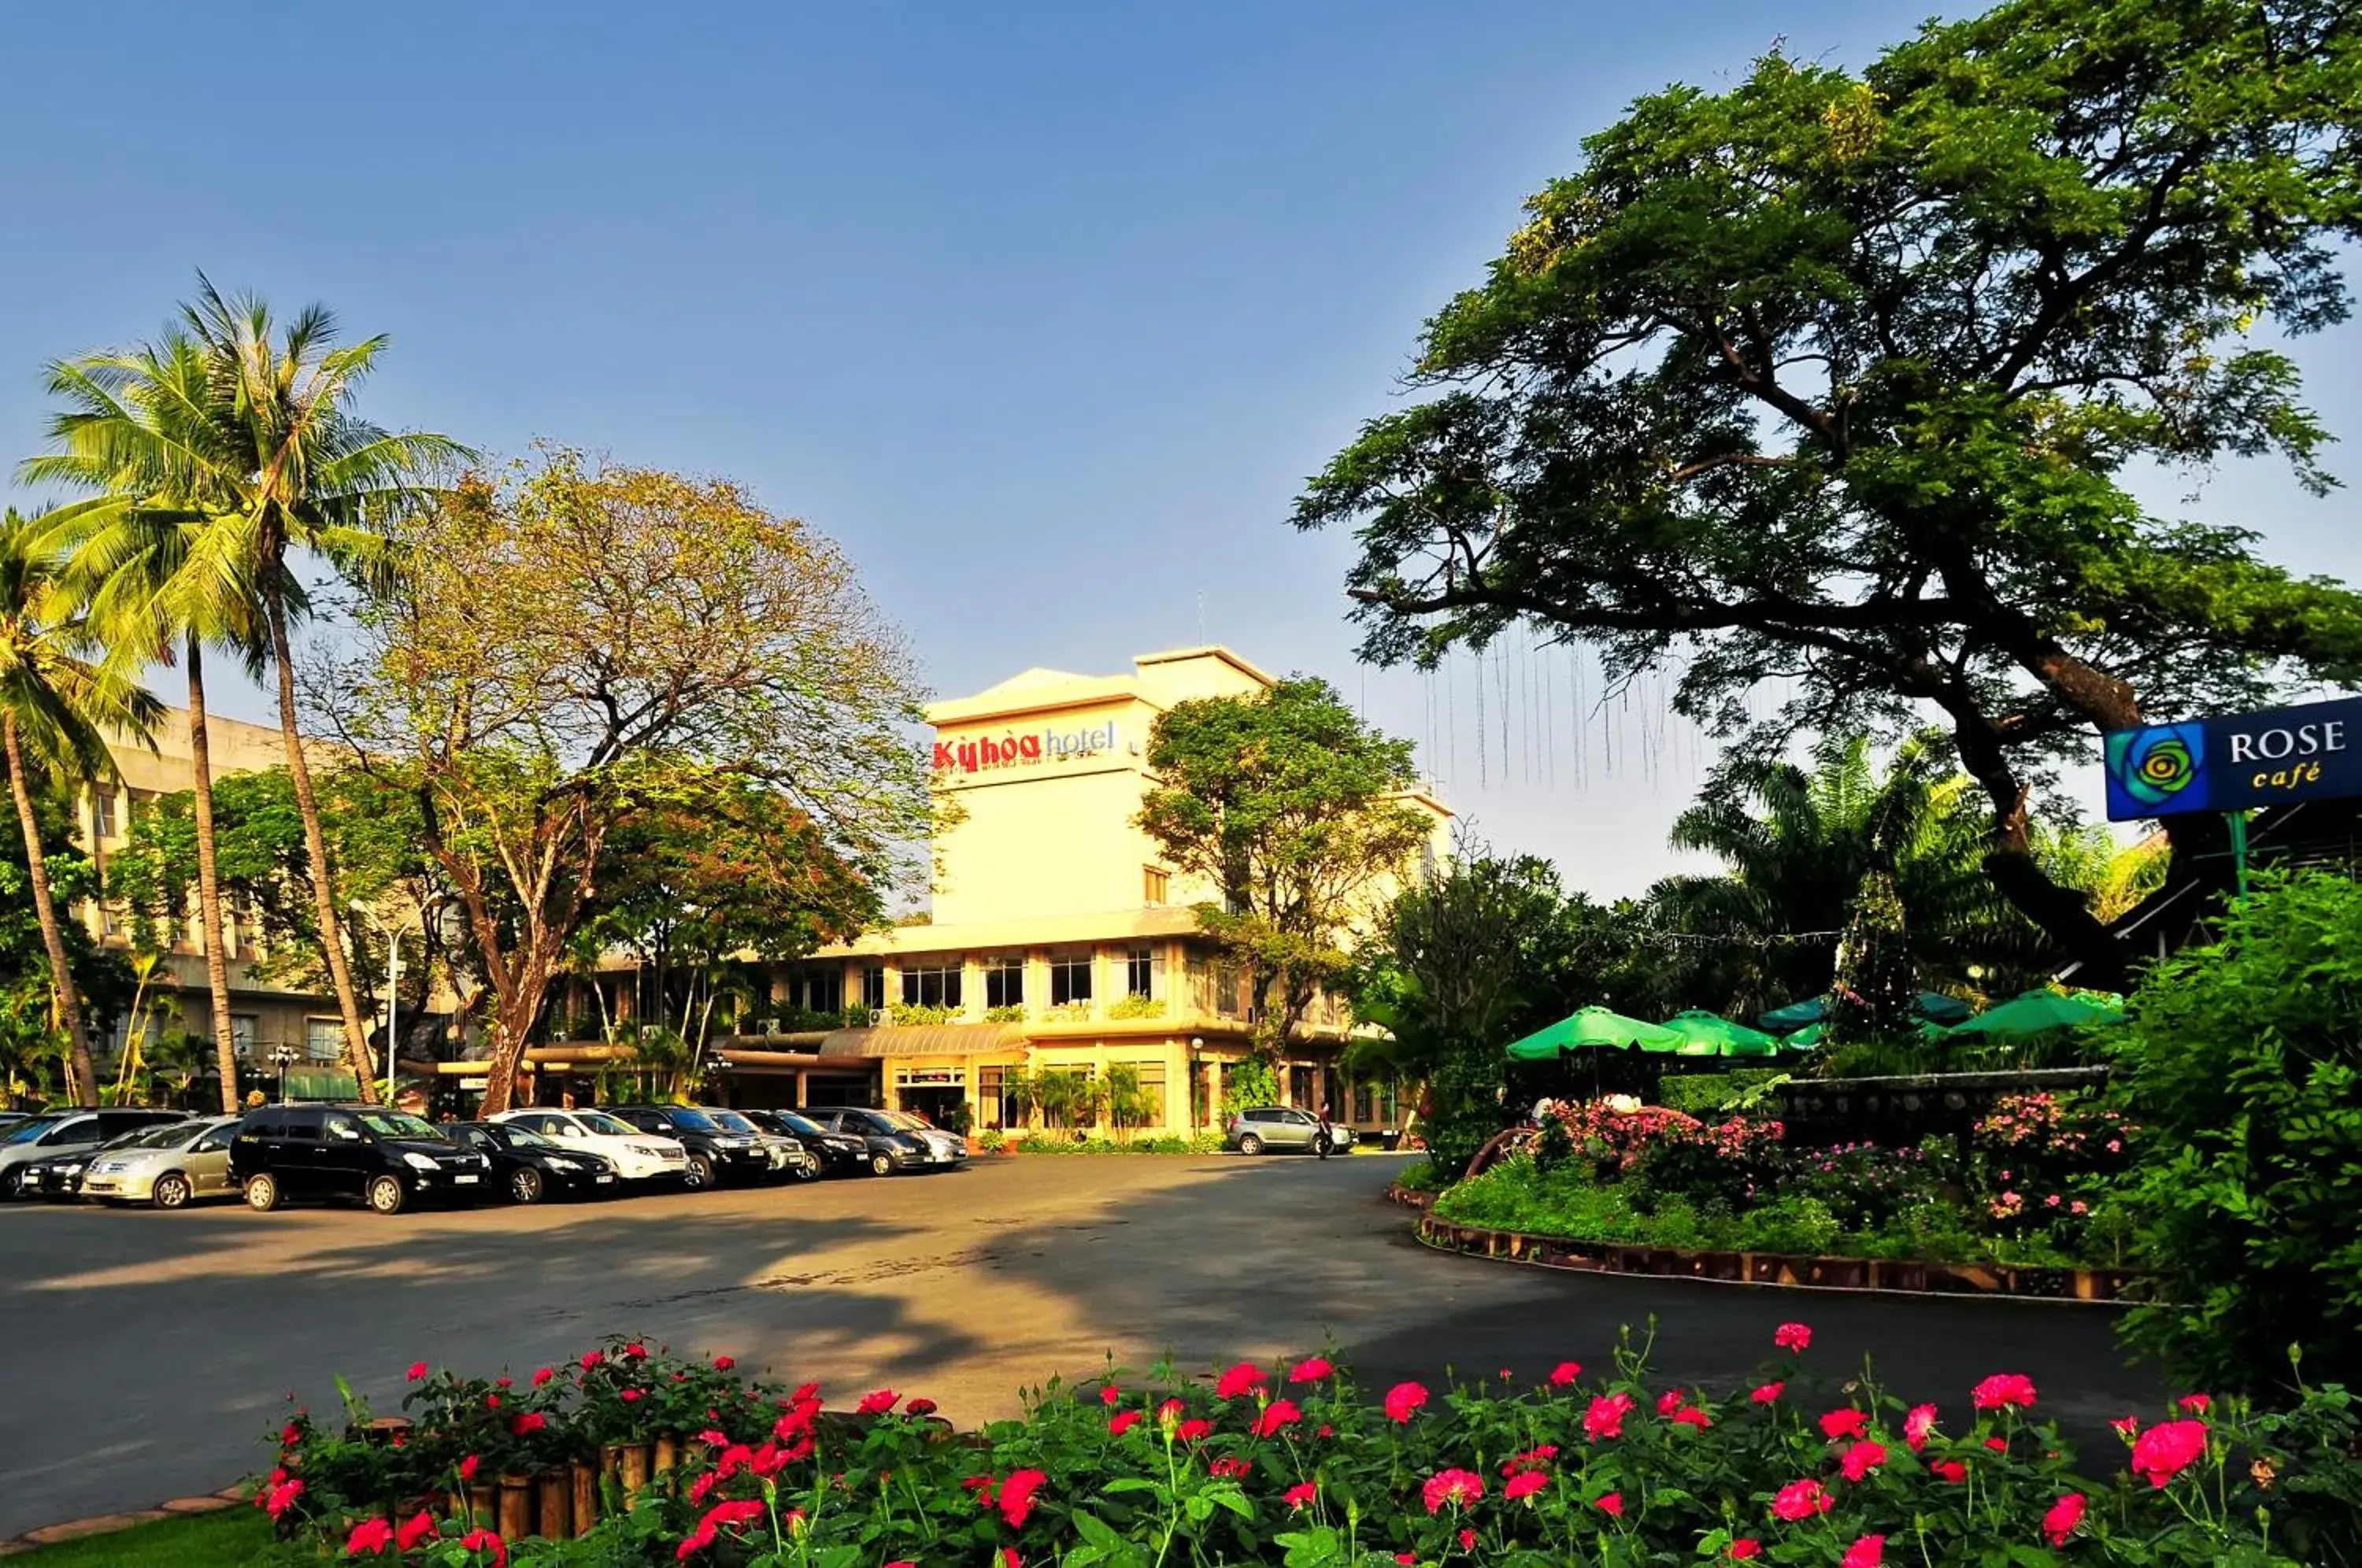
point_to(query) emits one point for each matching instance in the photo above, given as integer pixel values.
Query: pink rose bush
(1614, 1469)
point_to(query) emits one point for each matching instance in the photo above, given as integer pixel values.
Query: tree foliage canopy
(1292, 807)
(1838, 377)
(575, 645)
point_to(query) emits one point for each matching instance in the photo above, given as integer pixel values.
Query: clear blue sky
(1044, 310)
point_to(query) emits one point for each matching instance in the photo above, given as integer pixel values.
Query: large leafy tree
(245, 433)
(58, 706)
(1837, 376)
(715, 869)
(578, 644)
(1292, 808)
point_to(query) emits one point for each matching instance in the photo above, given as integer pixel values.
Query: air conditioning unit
(651, 1030)
(880, 1017)
(764, 1026)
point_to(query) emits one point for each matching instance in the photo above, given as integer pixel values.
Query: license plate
(463, 1180)
(602, 1175)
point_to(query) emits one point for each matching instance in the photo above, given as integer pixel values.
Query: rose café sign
(976, 753)
(2237, 762)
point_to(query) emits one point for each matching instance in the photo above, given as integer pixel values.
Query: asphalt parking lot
(143, 1355)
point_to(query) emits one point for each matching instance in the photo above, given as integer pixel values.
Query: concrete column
(804, 1087)
(1214, 1114)
(971, 987)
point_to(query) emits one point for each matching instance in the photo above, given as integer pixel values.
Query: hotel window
(241, 1034)
(1070, 980)
(935, 985)
(323, 1039)
(1140, 972)
(873, 987)
(1226, 990)
(1156, 884)
(1152, 1093)
(819, 990)
(997, 1099)
(102, 813)
(1004, 982)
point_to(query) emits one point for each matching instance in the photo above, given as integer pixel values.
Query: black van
(387, 1158)
(715, 1153)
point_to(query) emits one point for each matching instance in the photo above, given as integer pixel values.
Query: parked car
(715, 1153)
(837, 1152)
(790, 1159)
(389, 1159)
(636, 1156)
(57, 1179)
(1262, 1127)
(529, 1167)
(64, 1131)
(169, 1167)
(896, 1140)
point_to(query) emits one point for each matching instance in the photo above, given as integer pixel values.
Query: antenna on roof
(1201, 617)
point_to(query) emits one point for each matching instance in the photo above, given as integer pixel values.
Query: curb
(106, 1524)
(1857, 1277)
(1410, 1197)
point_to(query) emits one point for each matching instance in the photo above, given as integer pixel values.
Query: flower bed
(1292, 1463)
(2031, 1188)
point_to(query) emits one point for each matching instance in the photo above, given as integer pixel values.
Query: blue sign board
(2236, 763)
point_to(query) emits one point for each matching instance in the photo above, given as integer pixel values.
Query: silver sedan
(169, 1167)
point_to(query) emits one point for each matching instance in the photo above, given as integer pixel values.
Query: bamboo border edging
(1781, 1271)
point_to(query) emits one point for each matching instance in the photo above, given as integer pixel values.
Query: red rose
(417, 1371)
(1799, 1500)
(1793, 1336)
(420, 1528)
(920, 1407)
(1193, 1430)
(1950, 1469)
(1017, 1496)
(1238, 1380)
(1745, 1546)
(1862, 1459)
(1122, 1421)
(467, 1467)
(1918, 1425)
(1524, 1484)
(1768, 1393)
(2164, 1452)
(2002, 1389)
(544, 1375)
(1110, 1394)
(592, 1358)
(531, 1421)
(877, 1402)
(1279, 1413)
(1605, 1419)
(1454, 1488)
(1300, 1495)
(1312, 1369)
(487, 1540)
(369, 1538)
(1691, 1417)
(1611, 1503)
(1867, 1551)
(1565, 1372)
(724, 1363)
(1402, 1399)
(1845, 1423)
(2064, 1516)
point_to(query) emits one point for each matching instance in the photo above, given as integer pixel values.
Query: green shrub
(1703, 1094)
(2243, 1061)
(1418, 1176)
(1137, 1007)
(1012, 1012)
(1789, 1225)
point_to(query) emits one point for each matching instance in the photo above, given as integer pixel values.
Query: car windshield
(795, 1123)
(518, 1138)
(900, 1120)
(26, 1131)
(695, 1120)
(606, 1126)
(396, 1125)
(730, 1121)
(171, 1134)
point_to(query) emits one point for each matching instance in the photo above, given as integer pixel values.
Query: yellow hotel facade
(1057, 940)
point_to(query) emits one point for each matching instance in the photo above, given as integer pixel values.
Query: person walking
(1321, 1134)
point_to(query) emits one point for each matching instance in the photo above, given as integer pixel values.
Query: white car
(168, 1165)
(636, 1156)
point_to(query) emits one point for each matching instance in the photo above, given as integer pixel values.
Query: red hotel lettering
(970, 756)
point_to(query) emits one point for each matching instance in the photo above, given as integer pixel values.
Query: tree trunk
(83, 1087)
(316, 844)
(2062, 912)
(209, 907)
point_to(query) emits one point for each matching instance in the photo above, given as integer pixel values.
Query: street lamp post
(285, 1057)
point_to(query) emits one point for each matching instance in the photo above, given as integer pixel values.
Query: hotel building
(1058, 941)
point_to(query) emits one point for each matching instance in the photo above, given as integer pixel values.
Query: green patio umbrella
(1934, 1006)
(2039, 1012)
(1595, 1027)
(1806, 1038)
(1709, 1035)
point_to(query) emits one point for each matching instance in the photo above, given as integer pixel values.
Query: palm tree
(56, 707)
(266, 459)
(155, 576)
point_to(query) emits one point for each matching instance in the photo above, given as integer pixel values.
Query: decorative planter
(632, 1468)
(554, 1504)
(667, 1452)
(1898, 1275)
(585, 1477)
(517, 1506)
(484, 1504)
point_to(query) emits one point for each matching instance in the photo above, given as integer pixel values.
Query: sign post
(2234, 763)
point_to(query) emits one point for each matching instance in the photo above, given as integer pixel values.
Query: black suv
(387, 1158)
(897, 1140)
(40, 1138)
(836, 1151)
(715, 1153)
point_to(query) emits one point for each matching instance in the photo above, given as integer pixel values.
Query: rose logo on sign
(978, 753)
(2163, 765)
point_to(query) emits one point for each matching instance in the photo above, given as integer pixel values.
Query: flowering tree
(575, 644)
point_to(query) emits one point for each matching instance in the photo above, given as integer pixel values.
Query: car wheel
(170, 1192)
(699, 1173)
(12, 1184)
(525, 1184)
(1249, 1144)
(262, 1193)
(881, 1164)
(385, 1194)
(801, 1174)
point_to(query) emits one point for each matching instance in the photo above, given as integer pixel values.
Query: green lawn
(233, 1538)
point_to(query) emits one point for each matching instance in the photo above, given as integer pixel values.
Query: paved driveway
(143, 1354)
